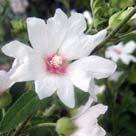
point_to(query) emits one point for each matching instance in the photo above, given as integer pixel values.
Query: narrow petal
(37, 32)
(46, 87)
(126, 59)
(77, 23)
(57, 30)
(16, 49)
(93, 90)
(90, 116)
(65, 92)
(129, 47)
(97, 38)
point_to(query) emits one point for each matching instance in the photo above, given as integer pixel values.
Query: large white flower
(50, 61)
(122, 52)
(87, 120)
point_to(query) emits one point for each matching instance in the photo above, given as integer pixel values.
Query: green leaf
(22, 108)
(100, 11)
(132, 77)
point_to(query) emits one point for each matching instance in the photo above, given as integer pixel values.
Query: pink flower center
(118, 51)
(56, 64)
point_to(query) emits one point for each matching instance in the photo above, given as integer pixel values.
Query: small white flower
(115, 76)
(88, 17)
(122, 52)
(18, 6)
(87, 120)
(55, 45)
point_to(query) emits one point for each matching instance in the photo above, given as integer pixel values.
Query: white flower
(88, 17)
(18, 6)
(115, 76)
(55, 45)
(87, 120)
(122, 52)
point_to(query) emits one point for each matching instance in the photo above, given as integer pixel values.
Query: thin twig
(21, 127)
(42, 125)
(121, 24)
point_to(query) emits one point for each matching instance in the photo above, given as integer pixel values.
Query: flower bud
(5, 99)
(116, 18)
(73, 112)
(65, 126)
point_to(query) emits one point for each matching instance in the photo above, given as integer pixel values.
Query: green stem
(21, 127)
(120, 25)
(111, 96)
(50, 111)
(43, 125)
(3, 112)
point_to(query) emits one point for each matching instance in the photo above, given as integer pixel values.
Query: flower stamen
(56, 64)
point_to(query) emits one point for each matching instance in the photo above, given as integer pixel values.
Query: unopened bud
(65, 126)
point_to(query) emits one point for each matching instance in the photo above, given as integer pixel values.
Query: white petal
(93, 66)
(80, 45)
(97, 38)
(90, 116)
(115, 76)
(65, 92)
(37, 32)
(129, 47)
(94, 130)
(3, 81)
(76, 44)
(80, 79)
(97, 131)
(76, 47)
(84, 108)
(46, 87)
(28, 68)
(111, 54)
(16, 49)
(77, 23)
(57, 30)
(126, 59)
(93, 90)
